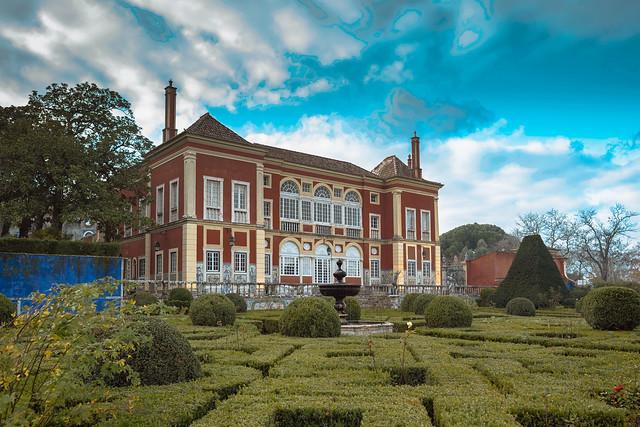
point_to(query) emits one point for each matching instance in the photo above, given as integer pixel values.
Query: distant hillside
(475, 238)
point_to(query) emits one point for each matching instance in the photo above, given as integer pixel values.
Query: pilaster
(147, 255)
(260, 234)
(189, 184)
(397, 213)
(189, 251)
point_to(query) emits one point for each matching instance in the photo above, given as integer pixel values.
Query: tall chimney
(409, 162)
(415, 154)
(169, 130)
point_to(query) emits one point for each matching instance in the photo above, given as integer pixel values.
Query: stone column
(260, 234)
(189, 184)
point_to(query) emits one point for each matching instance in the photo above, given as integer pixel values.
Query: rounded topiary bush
(408, 301)
(238, 302)
(212, 310)
(421, 303)
(142, 298)
(180, 297)
(521, 307)
(7, 309)
(448, 312)
(352, 308)
(611, 308)
(310, 317)
(164, 357)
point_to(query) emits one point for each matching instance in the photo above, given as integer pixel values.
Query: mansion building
(228, 210)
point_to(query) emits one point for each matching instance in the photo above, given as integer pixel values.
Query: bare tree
(604, 243)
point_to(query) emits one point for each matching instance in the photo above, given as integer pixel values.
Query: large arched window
(354, 260)
(289, 200)
(352, 210)
(289, 259)
(322, 205)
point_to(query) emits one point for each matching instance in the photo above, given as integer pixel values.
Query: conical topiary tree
(532, 275)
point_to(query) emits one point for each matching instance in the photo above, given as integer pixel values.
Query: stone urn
(339, 290)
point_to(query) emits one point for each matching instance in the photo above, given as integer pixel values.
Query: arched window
(352, 210)
(322, 265)
(322, 205)
(289, 259)
(354, 259)
(289, 201)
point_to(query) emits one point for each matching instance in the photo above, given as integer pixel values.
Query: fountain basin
(365, 328)
(339, 291)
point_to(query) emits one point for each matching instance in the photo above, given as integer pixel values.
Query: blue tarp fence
(23, 274)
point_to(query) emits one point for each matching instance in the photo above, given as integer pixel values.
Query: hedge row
(58, 247)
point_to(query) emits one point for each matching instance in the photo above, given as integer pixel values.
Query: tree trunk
(25, 227)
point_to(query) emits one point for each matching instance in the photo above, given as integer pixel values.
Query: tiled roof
(209, 127)
(314, 161)
(391, 167)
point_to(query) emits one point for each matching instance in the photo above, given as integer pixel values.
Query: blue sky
(521, 105)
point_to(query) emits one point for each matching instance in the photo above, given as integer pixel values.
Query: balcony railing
(323, 229)
(426, 236)
(375, 234)
(411, 234)
(354, 233)
(240, 217)
(267, 224)
(289, 227)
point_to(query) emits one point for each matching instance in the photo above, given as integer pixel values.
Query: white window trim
(415, 270)
(173, 251)
(265, 175)
(204, 197)
(177, 180)
(371, 261)
(233, 209)
(311, 212)
(426, 277)
(406, 224)
(378, 229)
(144, 272)
(270, 216)
(302, 184)
(219, 251)
(429, 225)
(164, 214)
(155, 266)
(246, 264)
(268, 264)
(371, 194)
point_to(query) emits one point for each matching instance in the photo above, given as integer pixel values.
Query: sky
(521, 105)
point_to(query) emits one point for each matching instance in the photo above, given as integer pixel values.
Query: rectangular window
(322, 273)
(160, 204)
(266, 210)
(353, 268)
(305, 268)
(127, 269)
(159, 266)
(337, 214)
(374, 198)
(306, 187)
(426, 271)
(411, 268)
(240, 203)
(266, 180)
(289, 208)
(213, 199)
(322, 212)
(337, 193)
(142, 267)
(425, 225)
(173, 264)
(267, 265)
(352, 216)
(410, 217)
(288, 265)
(306, 210)
(173, 200)
(212, 262)
(374, 226)
(240, 262)
(375, 269)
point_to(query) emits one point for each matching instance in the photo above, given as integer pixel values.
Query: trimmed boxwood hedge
(611, 308)
(352, 308)
(448, 312)
(486, 297)
(7, 309)
(314, 417)
(408, 301)
(212, 310)
(58, 247)
(238, 301)
(521, 307)
(310, 317)
(142, 298)
(180, 297)
(421, 303)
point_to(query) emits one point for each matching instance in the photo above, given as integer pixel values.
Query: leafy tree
(69, 155)
(532, 275)
(465, 238)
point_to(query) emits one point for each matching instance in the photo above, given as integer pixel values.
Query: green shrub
(7, 309)
(315, 417)
(165, 358)
(142, 298)
(422, 302)
(310, 317)
(61, 247)
(180, 297)
(448, 312)
(408, 301)
(521, 307)
(533, 275)
(352, 308)
(486, 297)
(611, 308)
(238, 301)
(212, 310)
(575, 294)
(622, 283)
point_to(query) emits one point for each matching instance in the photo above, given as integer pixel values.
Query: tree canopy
(472, 237)
(71, 154)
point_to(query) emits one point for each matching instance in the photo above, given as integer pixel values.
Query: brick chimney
(415, 154)
(169, 130)
(409, 162)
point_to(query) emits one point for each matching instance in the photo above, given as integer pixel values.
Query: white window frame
(220, 198)
(268, 219)
(340, 208)
(304, 218)
(350, 205)
(406, 223)
(267, 264)
(428, 227)
(412, 262)
(305, 183)
(371, 196)
(174, 197)
(142, 267)
(247, 210)
(266, 178)
(246, 262)
(159, 264)
(160, 203)
(337, 192)
(306, 266)
(289, 259)
(293, 198)
(171, 269)
(371, 228)
(206, 260)
(426, 272)
(372, 270)
(352, 261)
(127, 269)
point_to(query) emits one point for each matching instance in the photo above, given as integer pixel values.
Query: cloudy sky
(521, 105)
